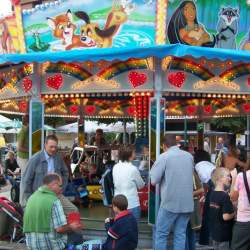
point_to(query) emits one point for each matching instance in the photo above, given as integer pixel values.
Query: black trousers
(241, 236)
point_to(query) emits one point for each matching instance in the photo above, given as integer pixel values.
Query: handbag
(246, 185)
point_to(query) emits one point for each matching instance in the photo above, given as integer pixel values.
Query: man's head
(169, 141)
(98, 134)
(126, 154)
(53, 182)
(51, 144)
(220, 140)
(119, 203)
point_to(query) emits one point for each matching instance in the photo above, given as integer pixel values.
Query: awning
(178, 50)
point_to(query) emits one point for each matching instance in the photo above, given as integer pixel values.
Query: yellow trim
(161, 21)
(19, 24)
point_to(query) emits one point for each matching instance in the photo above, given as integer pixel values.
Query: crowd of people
(225, 185)
(51, 221)
(186, 181)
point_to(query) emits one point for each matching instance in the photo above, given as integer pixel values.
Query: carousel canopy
(109, 54)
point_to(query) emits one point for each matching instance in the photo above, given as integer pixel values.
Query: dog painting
(63, 28)
(81, 24)
(103, 37)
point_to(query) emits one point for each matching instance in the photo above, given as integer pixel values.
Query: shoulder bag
(246, 185)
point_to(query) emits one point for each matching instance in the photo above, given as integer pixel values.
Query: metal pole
(185, 130)
(124, 131)
(81, 139)
(248, 132)
(158, 95)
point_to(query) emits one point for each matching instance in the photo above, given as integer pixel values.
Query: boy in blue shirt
(122, 230)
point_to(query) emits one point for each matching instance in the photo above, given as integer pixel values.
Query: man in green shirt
(45, 224)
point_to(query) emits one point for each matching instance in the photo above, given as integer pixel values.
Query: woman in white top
(127, 180)
(204, 169)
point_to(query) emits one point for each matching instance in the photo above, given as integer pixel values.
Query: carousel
(128, 68)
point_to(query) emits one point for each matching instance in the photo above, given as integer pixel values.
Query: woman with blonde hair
(10, 166)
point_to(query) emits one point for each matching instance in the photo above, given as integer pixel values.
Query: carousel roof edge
(109, 54)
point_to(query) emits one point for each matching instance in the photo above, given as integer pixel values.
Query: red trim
(113, 244)
(122, 214)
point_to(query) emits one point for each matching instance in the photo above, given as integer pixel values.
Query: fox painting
(63, 28)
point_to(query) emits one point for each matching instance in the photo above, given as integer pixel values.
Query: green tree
(235, 125)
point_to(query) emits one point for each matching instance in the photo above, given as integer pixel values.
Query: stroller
(15, 212)
(15, 189)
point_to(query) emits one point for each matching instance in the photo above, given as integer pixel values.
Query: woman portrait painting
(184, 27)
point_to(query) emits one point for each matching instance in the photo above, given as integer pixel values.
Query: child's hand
(107, 220)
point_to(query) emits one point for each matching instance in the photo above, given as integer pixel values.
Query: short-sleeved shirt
(173, 170)
(243, 212)
(220, 204)
(51, 240)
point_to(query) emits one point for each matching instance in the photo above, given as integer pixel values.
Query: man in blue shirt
(173, 171)
(47, 161)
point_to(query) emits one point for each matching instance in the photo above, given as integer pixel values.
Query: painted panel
(222, 24)
(70, 24)
(36, 115)
(89, 77)
(205, 76)
(16, 81)
(204, 108)
(154, 195)
(105, 107)
(11, 30)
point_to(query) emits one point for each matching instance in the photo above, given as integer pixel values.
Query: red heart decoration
(55, 82)
(15, 2)
(207, 109)
(136, 78)
(73, 109)
(90, 110)
(191, 110)
(131, 110)
(27, 84)
(177, 79)
(248, 82)
(23, 106)
(246, 107)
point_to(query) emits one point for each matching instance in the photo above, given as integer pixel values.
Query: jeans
(10, 179)
(190, 238)
(165, 221)
(136, 211)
